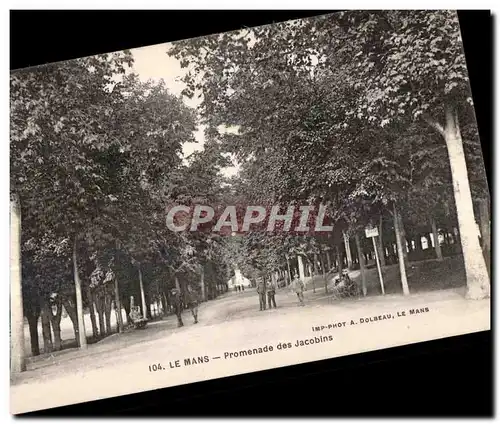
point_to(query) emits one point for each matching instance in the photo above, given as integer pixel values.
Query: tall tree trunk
(177, 283)
(99, 305)
(456, 234)
(107, 311)
(148, 306)
(181, 294)
(347, 250)
(324, 270)
(55, 320)
(315, 269)
(46, 331)
(339, 261)
(478, 284)
(315, 264)
(212, 294)
(380, 249)
(484, 225)
(399, 244)
(202, 284)
(361, 263)
(301, 267)
(143, 297)
(435, 235)
(328, 260)
(380, 244)
(325, 280)
(127, 307)
(118, 307)
(402, 233)
(82, 338)
(33, 315)
(93, 322)
(165, 303)
(418, 243)
(17, 355)
(161, 303)
(71, 310)
(289, 271)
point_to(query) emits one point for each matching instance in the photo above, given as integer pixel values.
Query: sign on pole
(372, 232)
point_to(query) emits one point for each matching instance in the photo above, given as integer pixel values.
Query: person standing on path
(271, 292)
(177, 304)
(192, 301)
(261, 291)
(298, 287)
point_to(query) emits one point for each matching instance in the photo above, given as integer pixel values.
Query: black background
(448, 377)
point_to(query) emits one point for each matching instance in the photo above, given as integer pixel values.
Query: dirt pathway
(223, 334)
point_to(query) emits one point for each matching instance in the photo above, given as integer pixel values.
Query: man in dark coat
(261, 291)
(176, 301)
(271, 292)
(192, 301)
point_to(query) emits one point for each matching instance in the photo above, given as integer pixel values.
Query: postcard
(243, 201)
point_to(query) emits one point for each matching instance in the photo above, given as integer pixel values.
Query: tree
(399, 72)
(17, 362)
(113, 163)
(65, 172)
(403, 53)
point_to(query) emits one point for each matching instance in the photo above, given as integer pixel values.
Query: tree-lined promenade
(95, 159)
(369, 113)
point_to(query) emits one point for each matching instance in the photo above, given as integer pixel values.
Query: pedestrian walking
(298, 287)
(271, 292)
(192, 301)
(261, 291)
(177, 303)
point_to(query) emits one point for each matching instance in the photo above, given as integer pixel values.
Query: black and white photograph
(243, 201)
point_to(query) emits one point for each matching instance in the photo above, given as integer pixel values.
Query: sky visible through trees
(152, 63)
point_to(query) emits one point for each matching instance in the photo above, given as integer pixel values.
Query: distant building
(238, 280)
